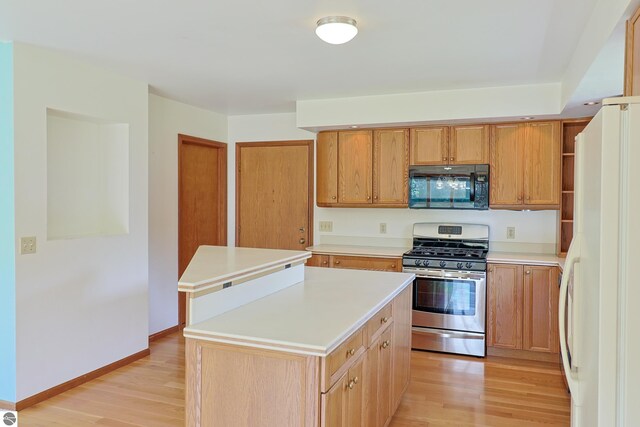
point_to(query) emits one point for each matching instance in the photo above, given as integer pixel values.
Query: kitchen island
(331, 349)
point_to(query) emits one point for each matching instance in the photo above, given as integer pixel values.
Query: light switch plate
(27, 245)
(511, 232)
(326, 226)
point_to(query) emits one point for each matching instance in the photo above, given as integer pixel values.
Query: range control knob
(443, 264)
(417, 262)
(425, 263)
(459, 265)
(468, 265)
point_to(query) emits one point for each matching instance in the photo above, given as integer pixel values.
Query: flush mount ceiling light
(336, 29)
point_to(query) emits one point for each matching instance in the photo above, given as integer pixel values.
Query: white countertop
(312, 317)
(213, 266)
(524, 258)
(370, 251)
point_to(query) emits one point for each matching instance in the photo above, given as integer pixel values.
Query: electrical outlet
(326, 226)
(27, 245)
(383, 228)
(511, 232)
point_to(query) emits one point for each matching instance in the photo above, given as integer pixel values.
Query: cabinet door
(327, 168)
(385, 348)
(334, 404)
(390, 166)
(504, 306)
(469, 145)
(366, 263)
(541, 156)
(355, 150)
(506, 164)
(540, 323)
(318, 261)
(355, 394)
(401, 346)
(370, 398)
(430, 146)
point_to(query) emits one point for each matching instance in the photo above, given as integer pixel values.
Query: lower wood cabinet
(522, 307)
(342, 405)
(356, 262)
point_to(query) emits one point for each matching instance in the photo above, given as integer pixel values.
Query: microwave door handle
(472, 184)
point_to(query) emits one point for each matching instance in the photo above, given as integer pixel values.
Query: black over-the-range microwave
(449, 187)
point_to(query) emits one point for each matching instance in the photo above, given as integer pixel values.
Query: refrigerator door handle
(573, 257)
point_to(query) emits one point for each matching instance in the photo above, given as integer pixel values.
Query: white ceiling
(249, 57)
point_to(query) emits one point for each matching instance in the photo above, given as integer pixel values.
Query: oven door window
(445, 296)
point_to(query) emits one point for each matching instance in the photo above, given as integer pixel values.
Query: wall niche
(87, 176)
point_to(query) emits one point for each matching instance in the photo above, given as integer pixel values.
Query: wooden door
(469, 145)
(355, 149)
(430, 146)
(504, 306)
(506, 164)
(384, 376)
(327, 174)
(542, 155)
(202, 201)
(391, 166)
(540, 323)
(274, 194)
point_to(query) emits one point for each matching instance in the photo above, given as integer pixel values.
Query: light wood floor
(445, 390)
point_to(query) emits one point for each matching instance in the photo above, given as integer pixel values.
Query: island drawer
(378, 323)
(340, 359)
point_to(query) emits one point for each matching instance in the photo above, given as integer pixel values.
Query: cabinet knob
(368, 197)
(337, 262)
(302, 241)
(527, 272)
(386, 343)
(451, 159)
(325, 262)
(393, 266)
(444, 159)
(519, 198)
(351, 352)
(490, 269)
(375, 197)
(384, 320)
(352, 383)
(333, 197)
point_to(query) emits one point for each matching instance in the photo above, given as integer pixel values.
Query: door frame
(311, 203)
(222, 207)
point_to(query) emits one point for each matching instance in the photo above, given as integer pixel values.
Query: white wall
(167, 119)
(253, 128)
(535, 231)
(80, 303)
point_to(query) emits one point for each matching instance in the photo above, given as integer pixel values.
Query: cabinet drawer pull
(393, 266)
(384, 319)
(444, 159)
(352, 383)
(333, 197)
(351, 352)
(368, 197)
(451, 159)
(385, 344)
(337, 262)
(527, 272)
(325, 262)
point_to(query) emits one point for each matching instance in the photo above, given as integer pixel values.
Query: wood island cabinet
(363, 168)
(522, 308)
(525, 165)
(455, 145)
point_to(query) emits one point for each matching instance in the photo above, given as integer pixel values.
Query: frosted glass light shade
(336, 29)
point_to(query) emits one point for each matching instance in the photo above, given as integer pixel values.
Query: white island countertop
(311, 317)
(213, 267)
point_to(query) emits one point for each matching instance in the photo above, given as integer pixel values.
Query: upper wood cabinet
(363, 168)
(390, 166)
(327, 172)
(525, 165)
(632, 57)
(522, 307)
(355, 154)
(430, 146)
(456, 145)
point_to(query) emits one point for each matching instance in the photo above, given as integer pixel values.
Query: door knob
(302, 240)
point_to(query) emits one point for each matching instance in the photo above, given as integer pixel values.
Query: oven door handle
(470, 278)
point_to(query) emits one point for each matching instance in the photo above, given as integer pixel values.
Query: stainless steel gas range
(449, 293)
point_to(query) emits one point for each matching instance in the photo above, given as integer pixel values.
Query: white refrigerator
(600, 290)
